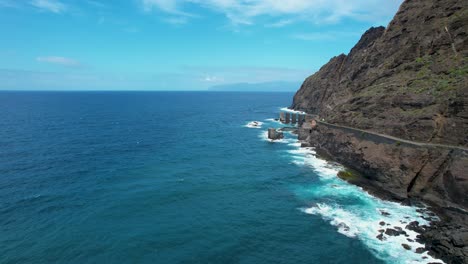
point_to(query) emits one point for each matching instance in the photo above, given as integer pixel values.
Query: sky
(175, 44)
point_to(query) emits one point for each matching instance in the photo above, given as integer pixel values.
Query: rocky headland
(408, 81)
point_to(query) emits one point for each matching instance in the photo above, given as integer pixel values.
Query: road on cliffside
(421, 144)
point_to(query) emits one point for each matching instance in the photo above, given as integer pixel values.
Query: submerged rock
(343, 226)
(381, 237)
(406, 246)
(394, 232)
(420, 250)
(384, 213)
(414, 226)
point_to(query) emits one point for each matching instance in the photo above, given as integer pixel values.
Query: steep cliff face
(408, 80)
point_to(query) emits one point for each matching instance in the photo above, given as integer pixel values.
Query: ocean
(177, 177)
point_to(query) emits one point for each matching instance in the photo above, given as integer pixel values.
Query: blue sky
(175, 44)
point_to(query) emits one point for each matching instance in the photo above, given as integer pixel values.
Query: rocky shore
(409, 81)
(406, 174)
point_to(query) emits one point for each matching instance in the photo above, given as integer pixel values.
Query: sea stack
(293, 118)
(282, 119)
(273, 134)
(288, 118)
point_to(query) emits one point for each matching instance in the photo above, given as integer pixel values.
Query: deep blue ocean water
(175, 177)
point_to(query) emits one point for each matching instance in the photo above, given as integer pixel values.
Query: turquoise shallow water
(93, 177)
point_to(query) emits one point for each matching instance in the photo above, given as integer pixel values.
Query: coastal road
(421, 144)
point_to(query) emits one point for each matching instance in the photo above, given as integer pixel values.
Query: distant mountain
(281, 86)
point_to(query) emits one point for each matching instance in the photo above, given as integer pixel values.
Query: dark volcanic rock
(381, 237)
(406, 246)
(414, 226)
(273, 134)
(420, 250)
(394, 232)
(460, 239)
(343, 226)
(384, 213)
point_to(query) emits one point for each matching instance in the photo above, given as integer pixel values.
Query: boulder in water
(274, 135)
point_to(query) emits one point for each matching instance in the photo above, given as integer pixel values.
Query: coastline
(444, 238)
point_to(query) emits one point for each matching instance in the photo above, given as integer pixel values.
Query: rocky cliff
(409, 80)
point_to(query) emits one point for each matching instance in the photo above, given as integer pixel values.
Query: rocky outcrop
(410, 81)
(274, 135)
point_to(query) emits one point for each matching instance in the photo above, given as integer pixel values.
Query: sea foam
(254, 124)
(285, 109)
(363, 219)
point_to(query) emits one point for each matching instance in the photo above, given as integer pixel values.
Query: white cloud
(317, 11)
(59, 61)
(53, 6)
(168, 6)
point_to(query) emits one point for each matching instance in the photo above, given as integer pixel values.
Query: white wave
(254, 124)
(272, 120)
(360, 220)
(264, 137)
(295, 144)
(324, 169)
(285, 109)
(365, 225)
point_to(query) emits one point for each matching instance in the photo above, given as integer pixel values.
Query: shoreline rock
(273, 134)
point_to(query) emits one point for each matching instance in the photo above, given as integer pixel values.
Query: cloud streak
(53, 6)
(316, 11)
(59, 61)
